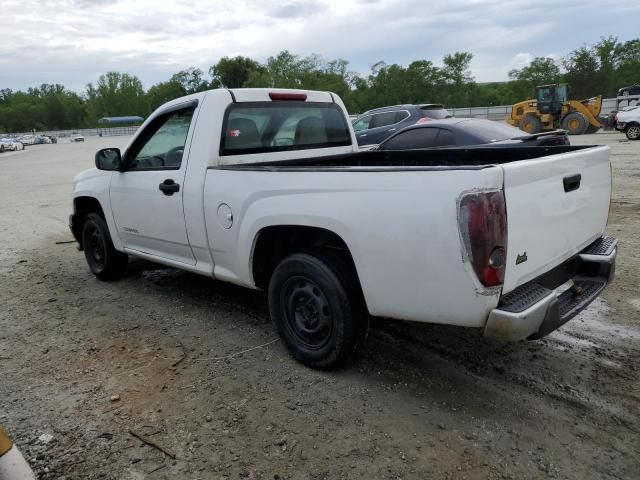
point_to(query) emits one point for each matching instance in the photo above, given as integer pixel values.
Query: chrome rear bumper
(540, 306)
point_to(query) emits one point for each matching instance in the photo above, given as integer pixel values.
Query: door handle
(572, 182)
(392, 130)
(169, 187)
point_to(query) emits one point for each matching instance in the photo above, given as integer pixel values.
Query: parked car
(9, 144)
(630, 90)
(277, 197)
(42, 139)
(76, 138)
(27, 139)
(461, 132)
(374, 126)
(628, 121)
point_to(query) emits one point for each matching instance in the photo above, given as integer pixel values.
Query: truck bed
(436, 159)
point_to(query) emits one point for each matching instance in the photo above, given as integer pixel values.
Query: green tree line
(598, 69)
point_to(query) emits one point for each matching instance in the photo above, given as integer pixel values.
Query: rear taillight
(422, 120)
(483, 226)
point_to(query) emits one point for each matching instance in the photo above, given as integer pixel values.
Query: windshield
(489, 131)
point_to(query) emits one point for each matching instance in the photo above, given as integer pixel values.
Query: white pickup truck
(265, 188)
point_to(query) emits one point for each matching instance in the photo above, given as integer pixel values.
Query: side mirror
(109, 159)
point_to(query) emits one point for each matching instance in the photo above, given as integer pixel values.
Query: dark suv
(374, 126)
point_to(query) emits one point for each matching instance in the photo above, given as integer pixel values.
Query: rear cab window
(264, 127)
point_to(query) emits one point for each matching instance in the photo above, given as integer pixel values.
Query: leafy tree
(627, 66)
(163, 92)
(115, 94)
(541, 71)
(582, 72)
(191, 80)
(234, 72)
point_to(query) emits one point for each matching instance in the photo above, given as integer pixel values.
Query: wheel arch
(82, 206)
(274, 242)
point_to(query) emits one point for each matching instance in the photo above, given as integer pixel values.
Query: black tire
(1, 148)
(592, 129)
(317, 307)
(104, 261)
(575, 123)
(632, 131)
(530, 124)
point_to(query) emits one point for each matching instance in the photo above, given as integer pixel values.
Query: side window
(445, 138)
(382, 119)
(161, 145)
(362, 124)
(411, 139)
(401, 115)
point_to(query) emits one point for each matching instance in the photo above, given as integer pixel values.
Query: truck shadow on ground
(564, 366)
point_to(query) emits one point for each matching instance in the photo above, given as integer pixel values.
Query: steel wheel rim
(633, 132)
(96, 247)
(574, 124)
(307, 312)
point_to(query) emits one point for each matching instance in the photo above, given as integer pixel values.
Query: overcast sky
(73, 41)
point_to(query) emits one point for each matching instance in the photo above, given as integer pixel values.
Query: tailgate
(556, 206)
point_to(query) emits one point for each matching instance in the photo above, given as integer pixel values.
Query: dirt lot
(194, 365)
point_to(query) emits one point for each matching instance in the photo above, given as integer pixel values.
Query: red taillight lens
(483, 225)
(287, 96)
(423, 120)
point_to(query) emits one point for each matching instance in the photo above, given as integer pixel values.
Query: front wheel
(104, 261)
(633, 132)
(317, 307)
(530, 124)
(575, 123)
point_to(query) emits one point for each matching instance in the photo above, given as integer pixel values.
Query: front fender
(94, 184)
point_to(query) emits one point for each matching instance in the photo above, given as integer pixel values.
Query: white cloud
(521, 60)
(73, 41)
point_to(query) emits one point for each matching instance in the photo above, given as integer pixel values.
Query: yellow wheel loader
(551, 110)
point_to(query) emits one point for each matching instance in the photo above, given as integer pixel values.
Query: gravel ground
(193, 366)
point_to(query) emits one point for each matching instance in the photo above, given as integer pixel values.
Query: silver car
(11, 145)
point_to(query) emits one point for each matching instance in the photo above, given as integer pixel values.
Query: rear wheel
(530, 124)
(575, 123)
(317, 307)
(633, 132)
(104, 261)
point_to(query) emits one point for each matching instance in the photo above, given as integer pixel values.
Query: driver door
(147, 197)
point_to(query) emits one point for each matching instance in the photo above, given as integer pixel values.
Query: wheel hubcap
(634, 132)
(574, 124)
(307, 312)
